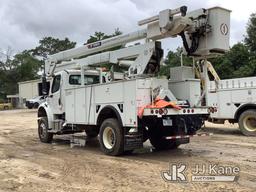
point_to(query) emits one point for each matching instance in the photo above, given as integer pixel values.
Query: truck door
(55, 95)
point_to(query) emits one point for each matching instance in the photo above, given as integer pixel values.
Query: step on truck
(127, 107)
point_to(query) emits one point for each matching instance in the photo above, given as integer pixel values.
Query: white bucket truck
(127, 108)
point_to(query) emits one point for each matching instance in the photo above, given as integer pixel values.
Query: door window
(56, 83)
(88, 79)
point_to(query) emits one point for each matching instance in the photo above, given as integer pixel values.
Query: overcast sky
(24, 22)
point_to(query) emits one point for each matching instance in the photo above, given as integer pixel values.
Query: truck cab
(65, 80)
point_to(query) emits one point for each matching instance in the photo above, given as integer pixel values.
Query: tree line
(240, 61)
(26, 65)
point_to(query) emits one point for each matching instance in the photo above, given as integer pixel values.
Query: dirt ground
(28, 165)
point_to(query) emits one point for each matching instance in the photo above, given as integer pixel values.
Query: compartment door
(80, 108)
(70, 105)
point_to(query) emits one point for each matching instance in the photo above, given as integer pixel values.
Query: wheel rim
(42, 130)
(109, 138)
(250, 123)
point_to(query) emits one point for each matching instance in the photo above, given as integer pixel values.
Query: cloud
(24, 22)
(64, 18)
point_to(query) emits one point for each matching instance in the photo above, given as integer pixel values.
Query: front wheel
(43, 133)
(111, 137)
(247, 122)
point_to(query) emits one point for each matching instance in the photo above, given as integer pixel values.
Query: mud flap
(133, 142)
(182, 141)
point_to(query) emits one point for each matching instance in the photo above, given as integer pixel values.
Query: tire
(91, 134)
(6, 107)
(43, 133)
(247, 122)
(163, 144)
(111, 137)
(159, 143)
(30, 106)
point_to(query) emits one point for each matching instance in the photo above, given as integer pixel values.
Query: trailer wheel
(247, 122)
(43, 133)
(111, 137)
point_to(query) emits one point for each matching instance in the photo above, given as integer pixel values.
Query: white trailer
(231, 99)
(125, 109)
(235, 101)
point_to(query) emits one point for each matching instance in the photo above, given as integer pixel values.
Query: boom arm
(166, 24)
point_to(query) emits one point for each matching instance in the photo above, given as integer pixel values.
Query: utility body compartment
(83, 104)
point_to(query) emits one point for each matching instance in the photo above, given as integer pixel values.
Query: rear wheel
(247, 122)
(6, 107)
(111, 137)
(43, 133)
(163, 144)
(159, 142)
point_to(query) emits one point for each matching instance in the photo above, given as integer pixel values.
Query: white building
(29, 89)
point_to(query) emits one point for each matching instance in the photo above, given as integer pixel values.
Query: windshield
(88, 79)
